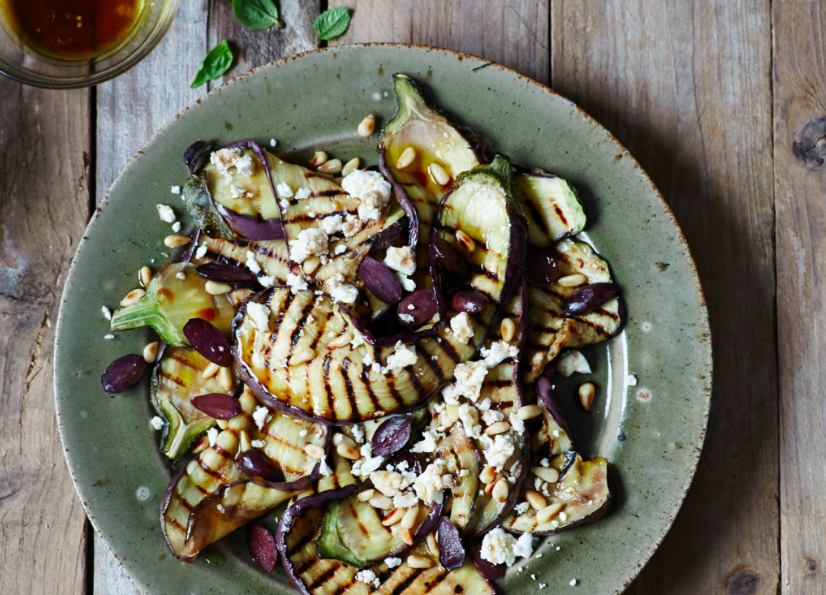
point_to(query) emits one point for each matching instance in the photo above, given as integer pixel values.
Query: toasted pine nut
(145, 275)
(491, 485)
(431, 544)
(227, 441)
(574, 280)
(466, 241)
(380, 501)
(507, 329)
(333, 166)
(416, 561)
(248, 402)
(132, 297)
(340, 341)
(343, 439)
(314, 450)
(547, 513)
(310, 265)
(367, 126)
(406, 536)
(366, 495)
(350, 167)
(501, 490)
(225, 378)
(498, 428)
(409, 518)
(348, 452)
(210, 370)
(201, 445)
(244, 442)
(150, 352)
(214, 288)
(406, 159)
(587, 390)
(301, 356)
(319, 158)
(548, 474)
(175, 241)
(529, 412)
(438, 174)
(488, 474)
(238, 423)
(393, 518)
(223, 424)
(535, 499)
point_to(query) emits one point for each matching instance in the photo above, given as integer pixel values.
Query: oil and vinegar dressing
(72, 29)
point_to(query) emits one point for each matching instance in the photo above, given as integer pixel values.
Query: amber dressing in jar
(72, 29)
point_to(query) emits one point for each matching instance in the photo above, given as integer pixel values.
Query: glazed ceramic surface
(654, 379)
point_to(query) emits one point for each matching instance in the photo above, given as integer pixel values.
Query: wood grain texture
(800, 197)
(45, 206)
(686, 87)
(513, 33)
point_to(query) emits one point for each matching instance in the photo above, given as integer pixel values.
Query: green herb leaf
(214, 64)
(257, 14)
(332, 23)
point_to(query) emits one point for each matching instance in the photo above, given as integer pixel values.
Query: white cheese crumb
(309, 242)
(497, 547)
(283, 190)
(303, 193)
(157, 423)
(392, 562)
(631, 380)
(296, 283)
(201, 251)
(405, 499)
(266, 281)
(499, 351)
(351, 226)
(426, 444)
(223, 159)
(407, 318)
(467, 382)
(499, 450)
(401, 357)
(303, 433)
(239, 192)
(252, 264)
(543, 585)
(368, 576)
(109, 336)
(166, 213)
(430, 485)
(107, 313)
(273, 142)
(259, 443)
(176, 227)
(259, 416)
(372, 190)
(461, 327)
(212, 436)
(324, 468)
(244, 165)
(408, 284)
(574, 581)
(175, 190)
(332, 224)
(573, 361)
(180, 275)
(343, 292)
(469, 417)
(388, 483)
(523, 548)
(401, 259)
(521, 508)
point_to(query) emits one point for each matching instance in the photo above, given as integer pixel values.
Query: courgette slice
(463, 462)
(271, 256)
(552, 204)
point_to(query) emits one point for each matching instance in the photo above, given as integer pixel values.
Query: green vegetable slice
(332, 23)
(215, 63)
(552, 205)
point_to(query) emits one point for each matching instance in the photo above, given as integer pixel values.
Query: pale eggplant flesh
(552, 205)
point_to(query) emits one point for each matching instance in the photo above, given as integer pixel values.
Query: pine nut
(333, 166)
(416, 561)
(340, 341)
(451, 414)
(499, 427)
(238, 423)
(546, 474)
(350, 167)
(310, 265)
(225, 378)
(175, 241)
(409, 519)
(572, 280)
(367, 126)
(132, 297)
(501, 490)
(438, 174)
(348, 452)
(214, 288)
(549, 512)
(319, 158)
(150, 352)
(314, 451)
(227, 441)
(393, 518)
(380, 501)
(223, 424)
(587, 390)
(535, 499)
(244, 442)
(529, 412)
(366, 495)
(248, 402)
(343, 439)
(406, 536)
(406, 159)
(507, 329)
(491, 485)
(431, 544)
(466, 241)
(200, 446)
(210, 370)
(488, 474)
(145, 275)
(301, 356)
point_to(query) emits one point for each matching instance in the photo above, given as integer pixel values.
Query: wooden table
(713, 99)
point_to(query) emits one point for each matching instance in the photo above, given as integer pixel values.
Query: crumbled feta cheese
(260, 315)
(469, 417)
(259, 416)
(497, 547)
(392, 562)
(401, 259)
(631, 380)
(157, 423)
(273, 142)
(388, 483)
(212, 436)
(283, 190)
(521, 508)
(491, 416)
(340, 249)
(498, 451)
(244, 165)
(324, 468)
(571, 362)
(516, 423)
(201, 251)
(543, 585)
(426, 444)
(369, 577)
(252, 264)
(430, 485)
(405, 500)
(107, 313)
(238, 192)
(258, 443)
(175, 190)
(574, 581)
(467, 382)
(406, 318)
(166, 213)
(303, 433)
(401, 357)
(223, 159)
(461, 327)
(343, 292)
(358, 431)
(408, 284)
(499, 351)
(296, 283)
(523, 548)
(309, 242)
(303, 193)
(267, 281)
(109, 336)
(372, 190)
(176, 227)
(180, 275)
(351, 226)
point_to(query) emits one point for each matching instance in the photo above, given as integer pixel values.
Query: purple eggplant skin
(451, 550)
(544, 388)
(380, 280)
(430, 522)
(251, 227)
(222, 272)
(197, 155)
(388, 235)
(588, 298)
(122, 373)
(391, 436)
(447, 257)
(261, 544)
(165, 500)
(404, 202)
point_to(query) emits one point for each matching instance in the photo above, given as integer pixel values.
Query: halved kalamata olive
(451, 550)
(467, 300)
(261, 544)
(254, 464)
(391, 436)
(217, 405)
(417, 308)
(380, 280)
(225, 273)
(123, 373)
(446, 256)
(407, 461)
(589, 298)
(540, 265)
(208, 341)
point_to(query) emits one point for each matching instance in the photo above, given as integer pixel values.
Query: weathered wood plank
(686, 87)
(45, 206)
(800, 201)
(514, 33)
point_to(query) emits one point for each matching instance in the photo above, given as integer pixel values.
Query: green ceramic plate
(651, 428)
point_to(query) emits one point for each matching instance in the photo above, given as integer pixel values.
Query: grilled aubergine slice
(552, 205)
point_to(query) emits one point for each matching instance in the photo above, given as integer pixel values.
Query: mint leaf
(214, 64)
(332, 23)
(257, 14)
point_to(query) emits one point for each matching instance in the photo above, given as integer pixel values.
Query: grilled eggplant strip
(552, 206)
(462, 460)
(271, 256)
